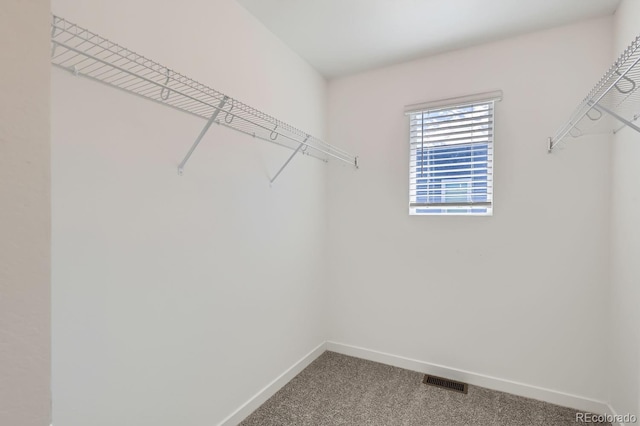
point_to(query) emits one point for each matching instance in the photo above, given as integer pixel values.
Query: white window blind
(451, 164)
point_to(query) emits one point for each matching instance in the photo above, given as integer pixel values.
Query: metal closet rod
(612, 95)
(87, 54)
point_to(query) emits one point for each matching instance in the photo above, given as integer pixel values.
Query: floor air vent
(445, 383)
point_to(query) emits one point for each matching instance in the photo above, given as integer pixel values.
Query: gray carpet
(341, 390)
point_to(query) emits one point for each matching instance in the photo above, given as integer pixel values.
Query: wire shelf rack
(89, 55)
(614, 103)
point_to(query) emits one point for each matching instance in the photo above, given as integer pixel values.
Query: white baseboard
(502, 385)
(267, 392)
(521, 389)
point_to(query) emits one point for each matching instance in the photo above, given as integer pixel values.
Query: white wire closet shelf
(89, 55)
(612, 104)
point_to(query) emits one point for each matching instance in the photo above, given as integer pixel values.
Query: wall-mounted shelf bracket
(614, 100)
(286, 163)
(201, 135)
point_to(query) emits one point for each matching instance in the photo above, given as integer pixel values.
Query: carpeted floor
(341, 390)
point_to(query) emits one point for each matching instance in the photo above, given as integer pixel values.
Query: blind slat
(480, 180)
(424, 172)
(460, 145)
(437, 190)
(479, 205)
(444, 141)
(425, 161)
(461, 119)
(428, 136)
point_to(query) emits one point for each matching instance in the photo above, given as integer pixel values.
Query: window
(451, 156)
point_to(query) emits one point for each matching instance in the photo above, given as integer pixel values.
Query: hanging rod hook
(633, 84)
(594, 118)
(273, 132)
(226, 117)
(164, 96)
(575, 132)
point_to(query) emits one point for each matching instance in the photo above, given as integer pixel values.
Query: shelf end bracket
(202, 133)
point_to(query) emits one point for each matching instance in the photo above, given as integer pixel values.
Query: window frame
(484, 208)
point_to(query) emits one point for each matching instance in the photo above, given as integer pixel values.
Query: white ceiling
(340, 37)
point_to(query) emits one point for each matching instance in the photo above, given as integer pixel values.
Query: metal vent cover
(441, 382)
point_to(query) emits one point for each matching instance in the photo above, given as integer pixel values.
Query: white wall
(625, 247)
(176, 299)
(519, 296)
(25, 226)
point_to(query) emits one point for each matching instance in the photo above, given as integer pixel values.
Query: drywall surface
(625, 244)
(519, 296)
(25, 225)
(177, 298)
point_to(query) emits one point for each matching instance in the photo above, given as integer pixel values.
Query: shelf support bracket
(614, 115)
(202, 133)
(286, 163)
(635, 117)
